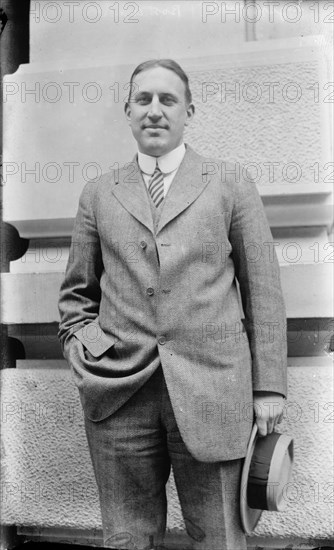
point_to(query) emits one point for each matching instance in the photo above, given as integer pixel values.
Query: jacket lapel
(131, 193)
(188, 183)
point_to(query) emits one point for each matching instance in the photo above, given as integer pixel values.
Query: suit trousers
(132, 453)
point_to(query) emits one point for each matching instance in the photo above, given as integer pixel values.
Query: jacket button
(162, 340)
(150, 291)
(143, 244)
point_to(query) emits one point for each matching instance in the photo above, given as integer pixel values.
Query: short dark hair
(169, 64)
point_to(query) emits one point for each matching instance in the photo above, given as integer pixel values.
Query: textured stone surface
(47, 478)
(240, 119)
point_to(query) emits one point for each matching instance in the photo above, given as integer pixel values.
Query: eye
(142, 99)
(168, 100)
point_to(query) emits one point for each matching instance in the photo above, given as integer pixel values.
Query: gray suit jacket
(133, 298)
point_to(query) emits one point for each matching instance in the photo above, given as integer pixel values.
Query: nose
(155, 109)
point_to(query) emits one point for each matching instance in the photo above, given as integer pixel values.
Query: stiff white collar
(167, 163)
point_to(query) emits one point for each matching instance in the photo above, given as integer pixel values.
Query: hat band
(259, 471)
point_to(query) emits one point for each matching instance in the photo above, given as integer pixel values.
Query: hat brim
(249, 516)
(278, 450)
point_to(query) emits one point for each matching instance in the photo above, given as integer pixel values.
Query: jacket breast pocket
(94, 339)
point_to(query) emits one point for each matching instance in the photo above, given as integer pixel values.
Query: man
(151, 326)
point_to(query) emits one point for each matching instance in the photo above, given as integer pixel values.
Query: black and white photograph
(167, 250)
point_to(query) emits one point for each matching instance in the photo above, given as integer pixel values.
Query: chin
(156, 149)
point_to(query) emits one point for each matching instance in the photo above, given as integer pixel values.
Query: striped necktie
(156, 186)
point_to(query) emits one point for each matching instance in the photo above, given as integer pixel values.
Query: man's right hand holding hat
(268, 410)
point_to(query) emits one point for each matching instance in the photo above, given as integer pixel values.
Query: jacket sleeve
(80, 291)
(258, 274)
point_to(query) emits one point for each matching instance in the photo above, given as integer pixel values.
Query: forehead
(159, 80)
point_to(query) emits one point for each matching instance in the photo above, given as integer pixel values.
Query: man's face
(157, 112)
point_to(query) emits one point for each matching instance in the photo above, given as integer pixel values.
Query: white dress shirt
(168, 165)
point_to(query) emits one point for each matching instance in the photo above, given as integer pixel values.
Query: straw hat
(266, 471)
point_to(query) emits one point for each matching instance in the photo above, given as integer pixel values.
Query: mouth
(154, 127)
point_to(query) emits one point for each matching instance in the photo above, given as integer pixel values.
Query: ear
(190, 113)
(127, 110)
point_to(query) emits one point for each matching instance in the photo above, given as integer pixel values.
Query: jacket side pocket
(94, 339)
